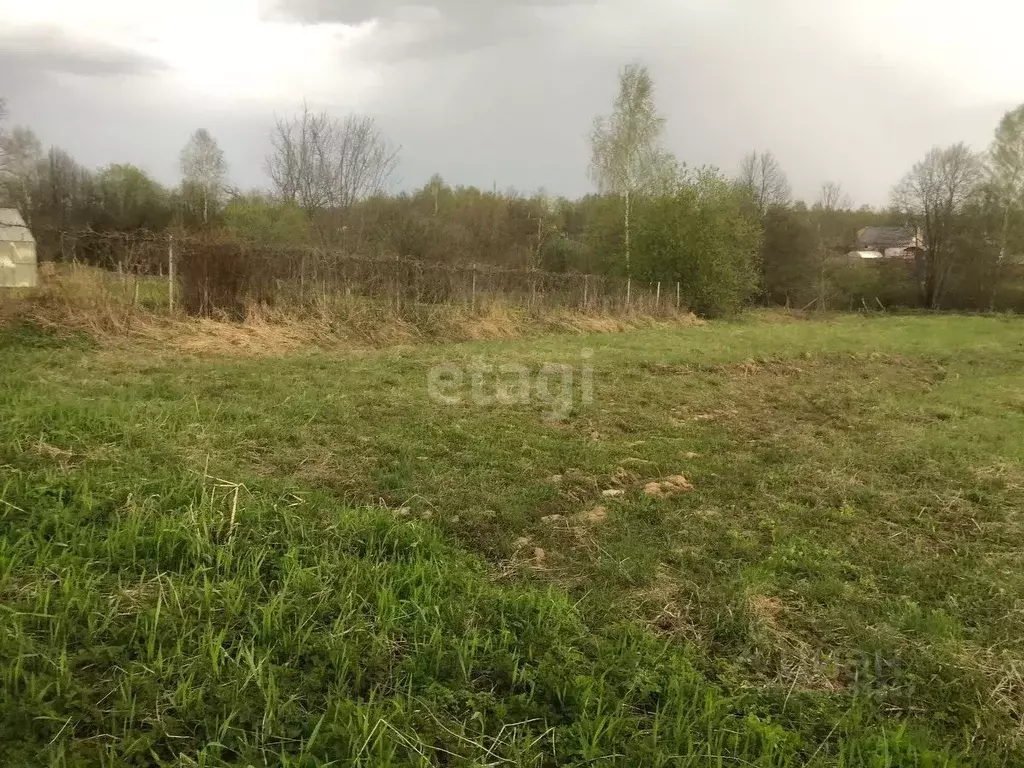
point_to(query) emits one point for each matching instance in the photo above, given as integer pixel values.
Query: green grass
(843, 586)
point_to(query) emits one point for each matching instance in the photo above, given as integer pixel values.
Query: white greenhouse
(17, 251)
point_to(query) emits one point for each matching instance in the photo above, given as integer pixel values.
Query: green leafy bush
(703, 237)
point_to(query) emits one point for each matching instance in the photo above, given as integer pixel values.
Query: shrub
(703, 237)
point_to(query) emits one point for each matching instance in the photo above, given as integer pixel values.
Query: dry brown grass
(116, 310)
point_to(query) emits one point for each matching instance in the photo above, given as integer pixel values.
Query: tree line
(726, 241)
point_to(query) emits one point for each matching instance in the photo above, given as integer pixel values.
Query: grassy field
(305, 559)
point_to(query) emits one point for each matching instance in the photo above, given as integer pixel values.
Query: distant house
(864, 255)
(17, 251)
(891, 242)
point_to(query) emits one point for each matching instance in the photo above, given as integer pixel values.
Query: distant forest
(728, 241)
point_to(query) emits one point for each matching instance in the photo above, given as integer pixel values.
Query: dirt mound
(670, 486)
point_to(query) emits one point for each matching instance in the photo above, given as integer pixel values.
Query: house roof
(880, 238)
(13, 228)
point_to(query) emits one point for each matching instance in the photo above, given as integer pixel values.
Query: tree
(299, 164)
(3, 135)
(765, 181)
(435, 186)
(322, 163)
(626, 154)
(256, 217)
(22, 153)
(128, 199)
(1006, 171)
(705, 238)
(364, 160)
(832, 198)
(64, 191)
(204, 172)
(931, 197)
(828, 233)
(788, 253)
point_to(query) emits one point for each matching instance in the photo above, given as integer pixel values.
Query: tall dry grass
(116, 307)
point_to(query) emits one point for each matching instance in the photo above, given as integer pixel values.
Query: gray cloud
(359, 11)
(429, 28)
(48, 50)
(729, 81)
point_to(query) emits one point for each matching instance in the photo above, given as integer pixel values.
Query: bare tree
(204, 170)
(932, 196)
(763, 177)
(832, 198)
(320, 162)
(365, 161)
(299, 163)
(627, 157)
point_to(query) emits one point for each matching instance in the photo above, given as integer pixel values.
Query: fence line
(206, 275)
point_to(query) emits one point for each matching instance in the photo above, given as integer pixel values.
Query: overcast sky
(504, 91)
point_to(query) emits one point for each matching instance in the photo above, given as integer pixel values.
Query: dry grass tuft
(594, 516)
(766, 608)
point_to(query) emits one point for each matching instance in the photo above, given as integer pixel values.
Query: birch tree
(627, 158)
(1006, 171)
(203, 171)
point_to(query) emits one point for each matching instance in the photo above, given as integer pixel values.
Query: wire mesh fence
(217, 275)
